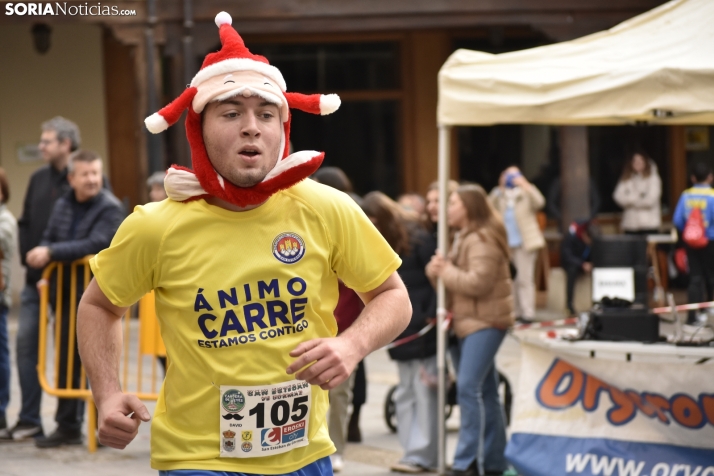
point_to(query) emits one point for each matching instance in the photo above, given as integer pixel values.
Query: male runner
(244, 260)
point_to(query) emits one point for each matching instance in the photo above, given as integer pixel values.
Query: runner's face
(242, 137)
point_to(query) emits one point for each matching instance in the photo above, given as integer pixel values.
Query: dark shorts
(321, 467)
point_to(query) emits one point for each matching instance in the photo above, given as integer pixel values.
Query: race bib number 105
(264, 420)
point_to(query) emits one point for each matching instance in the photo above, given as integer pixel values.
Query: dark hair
(81, 155)
(390, 220)
(483, 218)
(4, 186)
(701, 171)
(333, 177)
(628, 170)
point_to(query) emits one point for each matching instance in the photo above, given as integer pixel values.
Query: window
(335, 67)
(363, 137)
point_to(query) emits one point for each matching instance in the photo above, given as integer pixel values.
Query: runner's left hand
(325, 362)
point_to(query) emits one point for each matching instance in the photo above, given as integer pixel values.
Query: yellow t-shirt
(235, 293)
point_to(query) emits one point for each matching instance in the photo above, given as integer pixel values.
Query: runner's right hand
(119, 418)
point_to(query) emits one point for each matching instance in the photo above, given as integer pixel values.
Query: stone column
(574, 174)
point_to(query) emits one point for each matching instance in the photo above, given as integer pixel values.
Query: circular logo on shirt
(233, 401)
(247, 447)
(288, 248)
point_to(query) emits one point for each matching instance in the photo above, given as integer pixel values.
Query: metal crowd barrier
(142, 343)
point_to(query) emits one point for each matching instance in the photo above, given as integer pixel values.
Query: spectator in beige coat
(639, 193)
(478, 281)
(518, 202)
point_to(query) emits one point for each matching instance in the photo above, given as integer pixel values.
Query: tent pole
(442, 236)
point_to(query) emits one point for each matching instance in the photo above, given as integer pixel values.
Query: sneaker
(21, 431)
(337, 463)
(60, 437)
(471, 471)
(409, 468)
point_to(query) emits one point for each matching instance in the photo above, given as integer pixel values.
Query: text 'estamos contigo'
(247, 313)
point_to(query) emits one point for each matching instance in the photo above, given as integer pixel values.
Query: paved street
(379, 449)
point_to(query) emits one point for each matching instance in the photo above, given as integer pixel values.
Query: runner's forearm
(99, 335)
(384, 317)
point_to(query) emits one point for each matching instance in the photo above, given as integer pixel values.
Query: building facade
(109, 72)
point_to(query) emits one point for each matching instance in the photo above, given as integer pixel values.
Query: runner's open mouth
(250, 152)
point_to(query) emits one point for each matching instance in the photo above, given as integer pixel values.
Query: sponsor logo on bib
(288, 248)
(293, 432)
(246, 446)
(233, 401)
(270, 437)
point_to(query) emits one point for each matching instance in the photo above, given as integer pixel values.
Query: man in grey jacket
(82, 222)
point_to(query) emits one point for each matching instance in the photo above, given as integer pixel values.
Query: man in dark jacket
(575, 255)
(60, 137)
(82, 222)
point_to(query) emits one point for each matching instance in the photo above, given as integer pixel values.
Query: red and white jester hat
(226, 73)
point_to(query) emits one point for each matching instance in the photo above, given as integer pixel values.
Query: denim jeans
(70, 412)
(4, 362)
(26, 349)
(482, 435)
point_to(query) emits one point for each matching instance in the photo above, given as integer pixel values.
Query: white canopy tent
(657, 68)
